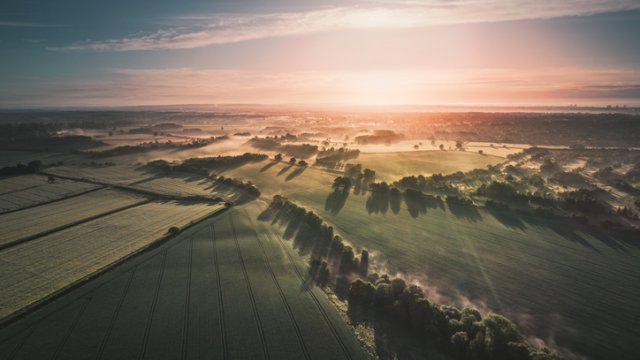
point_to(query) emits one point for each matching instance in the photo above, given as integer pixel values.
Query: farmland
(496, 261)
(222, 289)
(210, 264)
(27, 190)
(33, 221)
(38, 268)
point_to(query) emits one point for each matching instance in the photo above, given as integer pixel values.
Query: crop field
(22, 191)
(30, 222)
(550, 277)
(118, 174)
(194, 185)
(227, 288)
(35, 269)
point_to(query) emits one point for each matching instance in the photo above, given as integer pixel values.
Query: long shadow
(418, 205)
(378, 202)
(335, 201)
(284, 169)
(466, 212)
(508, 219)
(295, 173)
(395, 200)
(268, 166)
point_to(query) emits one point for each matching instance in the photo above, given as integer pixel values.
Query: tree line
(461, 333)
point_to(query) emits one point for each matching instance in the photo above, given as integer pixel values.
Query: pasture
(225, 288)
(573, 287)
(393, 166)
(36, 269)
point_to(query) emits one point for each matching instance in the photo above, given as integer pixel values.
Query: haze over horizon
(359, 52)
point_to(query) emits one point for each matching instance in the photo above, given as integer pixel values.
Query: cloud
(390, 87)
(206, 30)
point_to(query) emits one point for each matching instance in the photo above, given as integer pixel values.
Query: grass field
(36, 220)
(393, 166)
(22, 191)
(38, 268)
(225, 289)
(573, 287)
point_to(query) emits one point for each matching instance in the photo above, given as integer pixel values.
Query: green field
(30, 222)
(22, 191)
(227, 288)
(41, 267)
(393, 166)
(567, 285)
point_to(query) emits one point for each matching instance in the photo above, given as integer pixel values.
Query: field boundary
(71, 224)
(322, 310)
(78, 283)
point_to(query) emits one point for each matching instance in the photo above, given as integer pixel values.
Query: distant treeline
(461, 333)
(332, 156)
(42, 136)
(540, 128)
(155, 145)
(21, 169)
(379, 137)
(204, 166)
(275, 143)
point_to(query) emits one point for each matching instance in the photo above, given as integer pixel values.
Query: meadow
(224, 288)
(562, 283)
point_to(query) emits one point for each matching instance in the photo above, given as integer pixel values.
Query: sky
(362, 52)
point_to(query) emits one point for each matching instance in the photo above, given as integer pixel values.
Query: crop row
(36, 220)
(34, 193)
(41, 267)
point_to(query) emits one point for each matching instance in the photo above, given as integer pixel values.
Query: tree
(292, 161)
(364, 263)
(441, 147)
(278, 157)
(302, 163)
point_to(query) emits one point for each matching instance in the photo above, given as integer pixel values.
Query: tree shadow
(418, 205)
(335, 201)
(269, 165)
(284, 169)
(378, 202)
(295, 173)
(508, 219)
(395, 200)
(466, 212)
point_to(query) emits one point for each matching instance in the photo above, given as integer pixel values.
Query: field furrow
(32, 222)
(33, 270)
